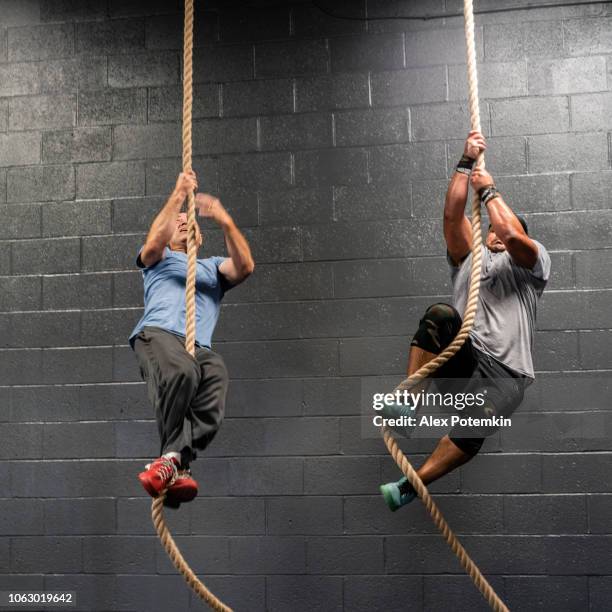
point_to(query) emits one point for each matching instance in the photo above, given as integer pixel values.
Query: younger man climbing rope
(497, 356)
(188, 393)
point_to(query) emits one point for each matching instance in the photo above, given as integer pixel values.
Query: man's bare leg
(446, 456)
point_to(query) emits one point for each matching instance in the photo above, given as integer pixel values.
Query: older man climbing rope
(188, 393)
(497, 356)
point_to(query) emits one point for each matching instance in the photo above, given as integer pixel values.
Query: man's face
(179, 238)
(493, 243)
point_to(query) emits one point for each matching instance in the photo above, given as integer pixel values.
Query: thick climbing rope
(468, 322)
(157, 508)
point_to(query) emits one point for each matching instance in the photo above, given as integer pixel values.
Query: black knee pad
(470, 446)
(437, 328)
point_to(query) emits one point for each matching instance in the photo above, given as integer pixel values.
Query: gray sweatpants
(188, 393)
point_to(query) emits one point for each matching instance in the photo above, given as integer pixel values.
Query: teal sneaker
(394, 498)
(401, 413)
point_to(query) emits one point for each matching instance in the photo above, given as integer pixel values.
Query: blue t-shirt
(164, 295)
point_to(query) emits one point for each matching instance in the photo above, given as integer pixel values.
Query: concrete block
(266, 476)
(411, 86)
(345, 555)
(40, 42)
(66, 10)
(223, 64)
(341, 475)
(304, 515)
(303, 593)
(110, 179)
(367, 52)
(529, 116)
(70, 75)
(52, 256)
(21, 441)
(495, 80)
(224, 136)
(387, 126)
(20, 221)
(545, 514)
(119, 554)
(228, 516)
(566, 76)
(144, 69)
(331, 167)
(281, 358)
(260, 171)
(294, 132)
(261, 97)
(295, 206)
(19, 79)
(255, 398)
(77, 365)
(20, 293)
(112, 106)
(43, 403)
(291, 58)
(587, 36)
(574, 473)
(80, 145)
(310, 22)
(38, 554)
(78, 440)
(591, 112)
(79, 516)
(72, 291)
(330, 92)
(401, 163)
(568, 152)
(42, 112)
(267, 555)
(440, 46)
(542, 592)
(524, 39)
(20, 149)
(105, 37)
(363, 593)
(241, 24)
(40, 183)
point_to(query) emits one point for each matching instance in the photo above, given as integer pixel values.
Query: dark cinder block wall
(330, 141)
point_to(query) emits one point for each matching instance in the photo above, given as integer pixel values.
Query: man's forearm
(503, 220)
(237, 247)
(164, 224)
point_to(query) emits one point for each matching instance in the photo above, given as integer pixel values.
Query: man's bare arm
(240, 263)
(522, 249)
(164, 224)
(457, 228)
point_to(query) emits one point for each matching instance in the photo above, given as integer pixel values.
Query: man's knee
(470, 446)
(186, 373)
(437, 328)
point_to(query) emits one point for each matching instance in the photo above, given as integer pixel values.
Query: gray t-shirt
(506, 314)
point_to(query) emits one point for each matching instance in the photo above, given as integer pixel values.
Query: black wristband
(465, 165)
(488, 194)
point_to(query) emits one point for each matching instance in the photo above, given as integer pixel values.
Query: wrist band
(487, 194)
(465, 165)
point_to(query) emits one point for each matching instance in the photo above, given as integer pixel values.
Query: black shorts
(469, 371)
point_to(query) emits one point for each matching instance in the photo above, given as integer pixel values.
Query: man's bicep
(458, 237)
(524, 252)
(149, 256)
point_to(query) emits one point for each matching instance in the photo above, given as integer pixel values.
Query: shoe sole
(388, 498)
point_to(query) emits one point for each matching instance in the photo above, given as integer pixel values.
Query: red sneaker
(182, 490)
(158, 475)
